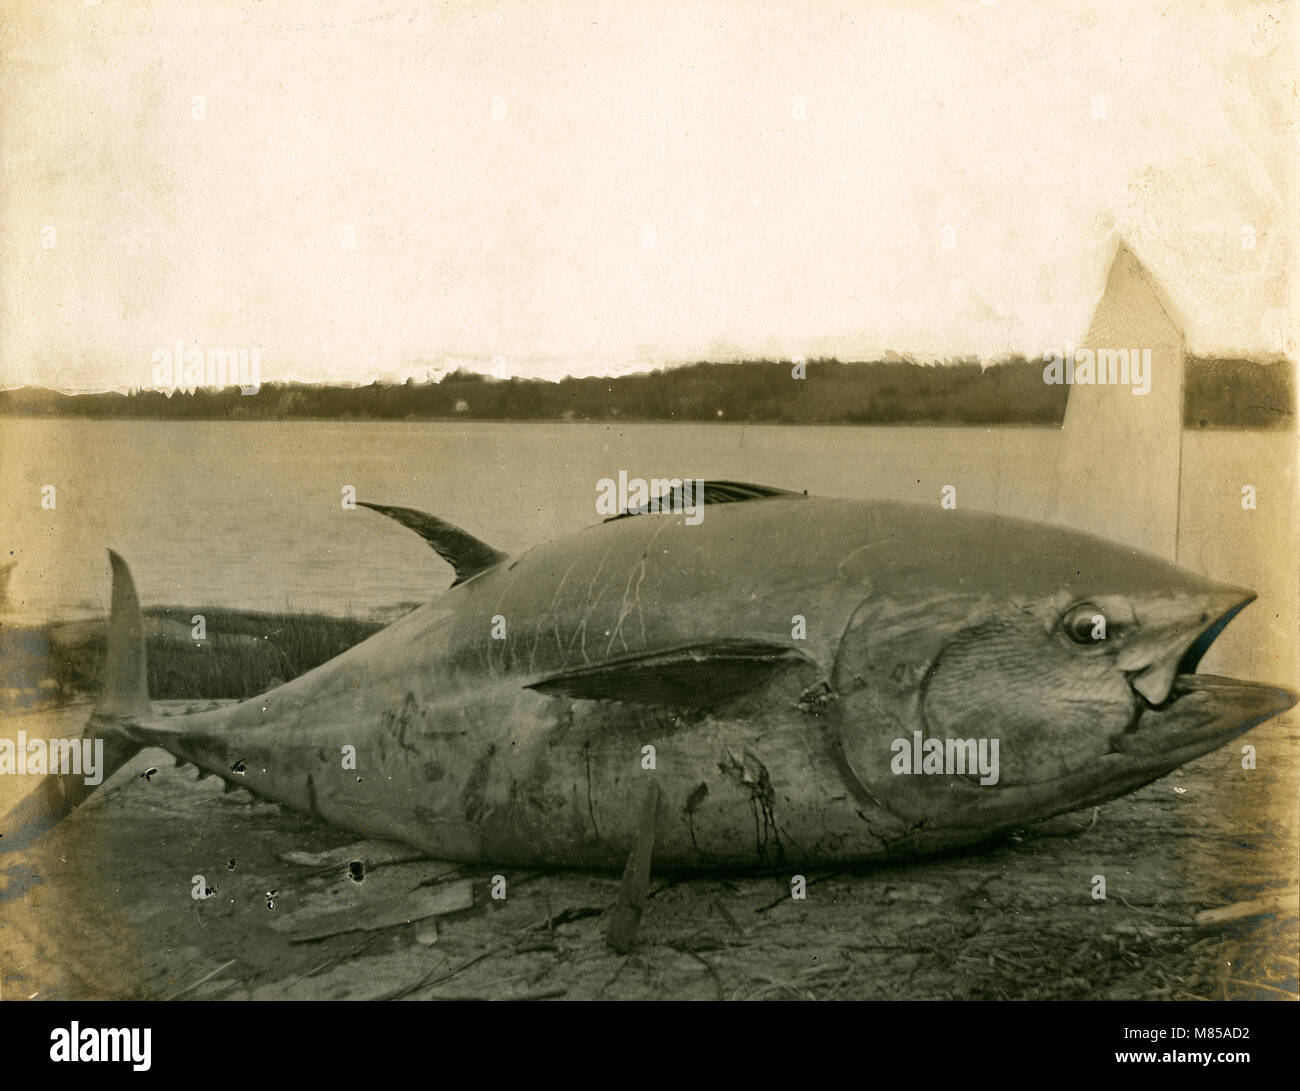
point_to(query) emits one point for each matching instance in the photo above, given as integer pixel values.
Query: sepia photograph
(629, 501)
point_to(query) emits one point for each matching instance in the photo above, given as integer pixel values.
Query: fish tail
(123, 700)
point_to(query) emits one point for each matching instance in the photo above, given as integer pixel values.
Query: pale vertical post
(1120, 452)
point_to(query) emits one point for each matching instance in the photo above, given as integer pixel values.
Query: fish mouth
(1195, 712)
(1201, 713)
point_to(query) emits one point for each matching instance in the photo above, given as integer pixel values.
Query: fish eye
(1085, 624)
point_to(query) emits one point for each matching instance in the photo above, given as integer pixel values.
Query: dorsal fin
(715, 492)
(460, 549)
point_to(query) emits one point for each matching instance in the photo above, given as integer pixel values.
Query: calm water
(249, 515)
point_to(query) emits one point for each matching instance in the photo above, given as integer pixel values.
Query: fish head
(1053, 671)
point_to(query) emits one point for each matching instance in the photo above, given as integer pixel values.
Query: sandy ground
(102, 907)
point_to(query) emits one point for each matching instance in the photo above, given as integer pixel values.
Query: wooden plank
(371, 853)
(319, 896)
(372, 914)
(625, 917)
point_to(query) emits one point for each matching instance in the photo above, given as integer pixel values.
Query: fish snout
(1173, 638)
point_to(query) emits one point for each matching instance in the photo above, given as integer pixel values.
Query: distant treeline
(1218, 394)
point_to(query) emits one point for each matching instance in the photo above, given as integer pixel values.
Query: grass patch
(244, 653)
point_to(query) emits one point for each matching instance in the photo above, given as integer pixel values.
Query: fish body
(778, 669)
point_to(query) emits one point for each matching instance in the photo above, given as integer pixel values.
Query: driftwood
(1283, 902)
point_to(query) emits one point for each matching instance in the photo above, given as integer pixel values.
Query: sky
(397, 188)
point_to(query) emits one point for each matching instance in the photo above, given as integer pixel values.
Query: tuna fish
(805, 681)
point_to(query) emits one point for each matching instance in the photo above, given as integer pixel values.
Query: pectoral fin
(691, 676)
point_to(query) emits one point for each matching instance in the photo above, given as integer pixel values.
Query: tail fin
(124, 696)
(125, 691)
